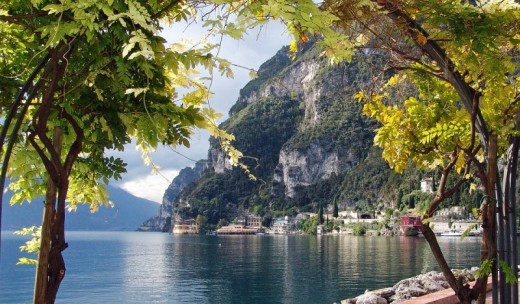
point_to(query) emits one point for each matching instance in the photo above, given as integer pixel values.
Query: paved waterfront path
(446, 296)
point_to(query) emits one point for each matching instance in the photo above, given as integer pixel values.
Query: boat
(451, 232)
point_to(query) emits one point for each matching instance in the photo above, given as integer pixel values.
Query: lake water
(134, 267)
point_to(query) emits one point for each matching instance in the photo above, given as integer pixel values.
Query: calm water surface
(133, 267)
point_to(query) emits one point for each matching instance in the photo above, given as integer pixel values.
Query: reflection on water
(128, 267)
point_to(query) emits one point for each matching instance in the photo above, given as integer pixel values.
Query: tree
(399, 198)
(411, 202)
(462, 61)
(320, 215)
(201, 221)
(335, 210)
(310, 225)
(452, 103)
(221, 223)
(79, 78)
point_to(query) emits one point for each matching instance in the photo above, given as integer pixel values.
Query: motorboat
(451, 232)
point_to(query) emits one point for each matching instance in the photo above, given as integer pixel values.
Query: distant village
(452, 221)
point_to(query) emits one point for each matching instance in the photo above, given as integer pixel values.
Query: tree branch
(76, 147)
(165, 9)
(26, 16)
(14, 134)
(467, 94)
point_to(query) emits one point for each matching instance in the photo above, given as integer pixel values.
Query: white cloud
(151, 186)
(256, 47)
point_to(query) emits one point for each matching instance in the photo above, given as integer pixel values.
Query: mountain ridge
(304, 138)
(128, 213)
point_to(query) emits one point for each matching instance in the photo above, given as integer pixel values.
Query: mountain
(304, 138)
(162, 220)
(127, 214)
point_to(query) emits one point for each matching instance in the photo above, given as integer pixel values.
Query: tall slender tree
(335, 210)
(320, 215)
(78, 78)
(462, 58)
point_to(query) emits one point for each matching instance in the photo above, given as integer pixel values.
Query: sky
(255, 48)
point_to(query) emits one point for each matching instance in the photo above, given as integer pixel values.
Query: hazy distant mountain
(128, 213)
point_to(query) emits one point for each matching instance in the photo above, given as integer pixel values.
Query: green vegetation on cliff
(266, 124)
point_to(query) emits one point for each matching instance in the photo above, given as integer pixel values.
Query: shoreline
(411, 288)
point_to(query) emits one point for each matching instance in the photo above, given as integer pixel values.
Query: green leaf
(27, 261)
(510, 276)
(485, 269)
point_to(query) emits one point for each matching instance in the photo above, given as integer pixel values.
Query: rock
(411, 288)
(431, 285)
(384, 293)
(307, 166)
(410, 292)
(395, 299)
(467, 275)
(371, 298)
(434, 275)
(415, 292)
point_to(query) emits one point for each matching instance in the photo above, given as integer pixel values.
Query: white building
(281, 226)
(427, 185)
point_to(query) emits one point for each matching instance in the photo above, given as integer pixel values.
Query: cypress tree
(411, 202)
(320, 215)
(399, 199)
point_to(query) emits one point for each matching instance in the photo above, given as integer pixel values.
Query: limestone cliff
(303, 137)
(162, 221)
(327, 140)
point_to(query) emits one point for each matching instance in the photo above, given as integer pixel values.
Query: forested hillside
(306, 141)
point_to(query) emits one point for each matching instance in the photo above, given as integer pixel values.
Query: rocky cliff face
(304, 168)
(304, 138)
(315, 152)
(163, 220)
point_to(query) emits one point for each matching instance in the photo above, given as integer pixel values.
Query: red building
(410, 224)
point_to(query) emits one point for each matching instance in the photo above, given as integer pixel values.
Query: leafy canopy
(120, 81)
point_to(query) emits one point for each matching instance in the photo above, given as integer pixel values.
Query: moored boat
(451, 232)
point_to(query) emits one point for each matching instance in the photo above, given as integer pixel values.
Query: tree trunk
(513, 165)
(40, 284)
(463, 291)
(56, 263)
(48, 245)
(509, 293)
(488, 214)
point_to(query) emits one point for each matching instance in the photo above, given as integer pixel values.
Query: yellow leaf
(260, 15)
(253, 74)
(359, 96)
(293, 48)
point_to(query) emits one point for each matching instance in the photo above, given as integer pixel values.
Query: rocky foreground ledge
(410, 288)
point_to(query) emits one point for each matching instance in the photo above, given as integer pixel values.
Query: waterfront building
(237, 229)
(410, 224)
(254, 221)
(185, 227)
(281, 226)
